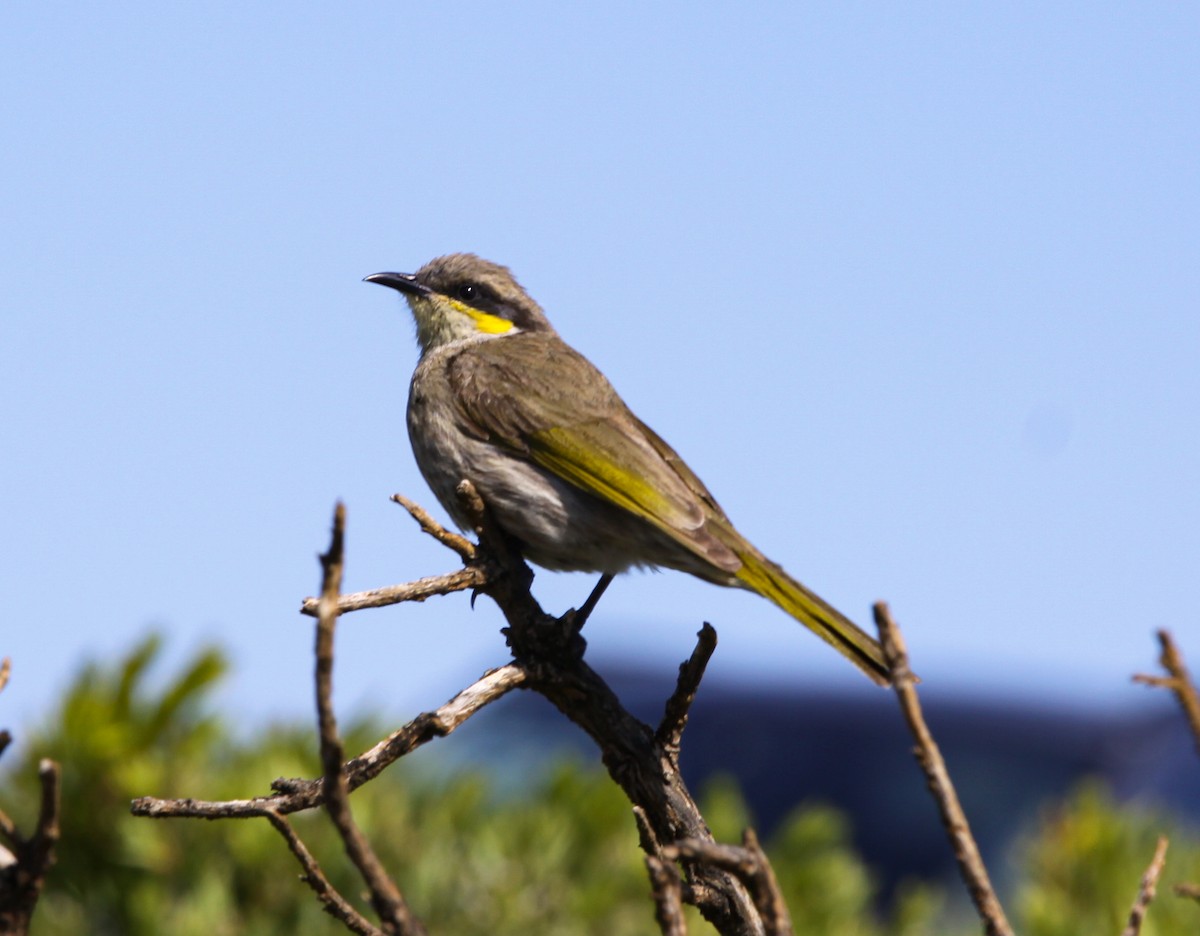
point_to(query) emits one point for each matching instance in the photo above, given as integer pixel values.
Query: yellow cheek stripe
(490, 324)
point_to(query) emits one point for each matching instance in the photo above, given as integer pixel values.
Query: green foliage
(556, 861)
(827, 887)
(560, 857)
(1084, 865)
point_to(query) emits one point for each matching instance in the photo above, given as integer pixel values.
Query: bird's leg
(579, 618)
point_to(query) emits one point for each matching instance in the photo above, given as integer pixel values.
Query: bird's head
(464, 296)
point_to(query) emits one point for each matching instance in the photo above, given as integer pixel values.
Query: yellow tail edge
(860, 648)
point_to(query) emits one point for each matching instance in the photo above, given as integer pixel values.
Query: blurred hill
(511, 826)
(1008, 760)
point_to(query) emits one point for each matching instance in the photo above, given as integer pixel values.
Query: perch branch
(1178, 680)
(472, 575)
(551, 650)
(1147, 889)
(418, 590)
(966, 852)
(548, 659)
(648, 778)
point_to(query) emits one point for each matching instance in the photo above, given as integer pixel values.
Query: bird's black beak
(404, 282)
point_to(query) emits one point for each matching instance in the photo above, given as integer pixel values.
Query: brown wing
(535, 395)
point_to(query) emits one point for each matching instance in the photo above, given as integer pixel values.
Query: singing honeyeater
(499, 399)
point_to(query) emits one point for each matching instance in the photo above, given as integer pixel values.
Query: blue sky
(913, 288)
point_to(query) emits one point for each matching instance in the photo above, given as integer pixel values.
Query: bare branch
(151, 807)
(966, 852)
(23, 874)
(1179, 682)
(333, 903)
(5, 672)
(425, 727)
(647, 840)
(470, 577)
(765, 887)
(691, 671)
(667, 890)
(385, 896)
(22, 881)
(580, 617)
(460, 544)
(296, 795)
(1147, 889)
(40, 847)
(1191, 891)
(550, 650)
(8, 829)
(648, 778)
(418, 590)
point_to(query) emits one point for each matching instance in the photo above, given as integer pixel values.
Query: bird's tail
(763, 576)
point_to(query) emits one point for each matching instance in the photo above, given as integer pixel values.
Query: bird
(562, 463)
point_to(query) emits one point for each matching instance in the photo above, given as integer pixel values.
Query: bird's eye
(468, 291)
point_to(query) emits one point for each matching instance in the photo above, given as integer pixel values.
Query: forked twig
(749, 862)
(454, 541)
(1178, 680)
